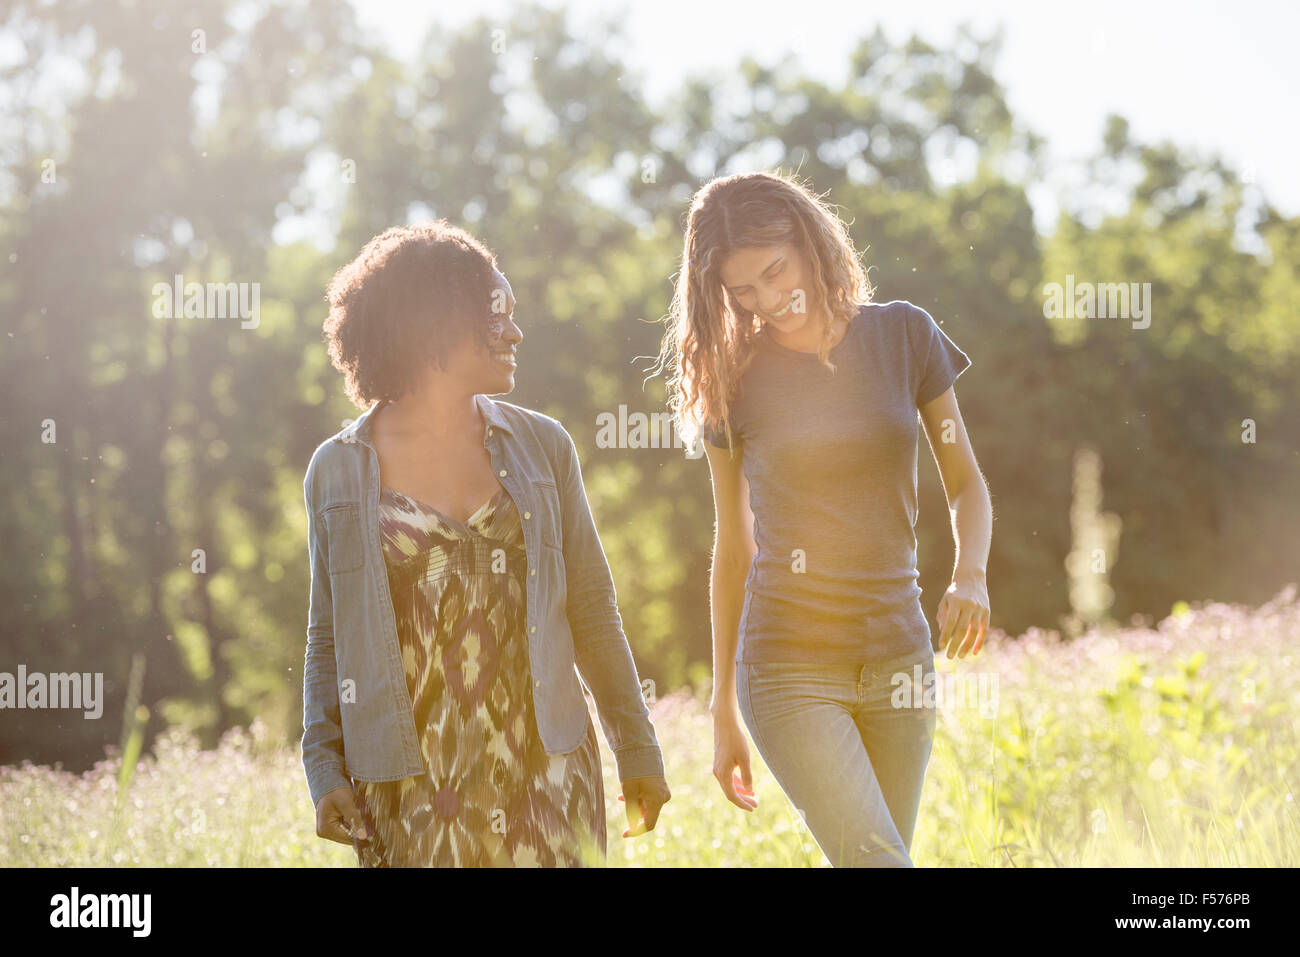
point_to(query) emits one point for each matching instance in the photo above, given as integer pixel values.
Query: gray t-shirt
(831, 463)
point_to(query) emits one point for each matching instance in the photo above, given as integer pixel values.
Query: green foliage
(177, 435)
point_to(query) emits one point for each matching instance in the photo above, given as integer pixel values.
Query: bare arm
(964, 612)
(733, 554)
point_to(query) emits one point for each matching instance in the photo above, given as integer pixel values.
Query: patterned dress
(491, 796)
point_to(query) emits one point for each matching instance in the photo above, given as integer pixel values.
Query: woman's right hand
(731, 752)
(336, 813)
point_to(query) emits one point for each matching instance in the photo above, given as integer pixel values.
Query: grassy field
(1169, 747)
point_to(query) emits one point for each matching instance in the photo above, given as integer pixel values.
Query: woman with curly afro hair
(457, 580)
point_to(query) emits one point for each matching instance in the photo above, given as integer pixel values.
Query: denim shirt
(357, 715)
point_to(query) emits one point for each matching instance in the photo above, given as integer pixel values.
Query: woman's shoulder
(335, 469)
(893, 311)
(898, 320)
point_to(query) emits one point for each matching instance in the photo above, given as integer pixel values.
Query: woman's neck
(805, 339)
(433, 413)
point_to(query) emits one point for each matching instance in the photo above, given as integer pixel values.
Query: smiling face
(772, 283)
(490, 370)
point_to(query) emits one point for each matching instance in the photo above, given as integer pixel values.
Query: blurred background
(151, 464)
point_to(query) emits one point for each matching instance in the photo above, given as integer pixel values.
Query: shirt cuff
(322, 780)
(640, 762)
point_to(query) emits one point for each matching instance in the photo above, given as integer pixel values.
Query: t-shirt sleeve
(937, 358)
(715, 434)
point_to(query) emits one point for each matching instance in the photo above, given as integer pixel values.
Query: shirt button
(532, 571)
(527, 515)
(502, 473)
(533, 629)
(537, 684)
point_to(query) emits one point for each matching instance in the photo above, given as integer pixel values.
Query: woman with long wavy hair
(807, 394)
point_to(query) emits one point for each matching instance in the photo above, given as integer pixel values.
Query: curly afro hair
(411, 293)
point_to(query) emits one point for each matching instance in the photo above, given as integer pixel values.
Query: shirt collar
(492, 413)
(359, 429)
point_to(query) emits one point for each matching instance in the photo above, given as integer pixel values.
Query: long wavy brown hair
(711, 338)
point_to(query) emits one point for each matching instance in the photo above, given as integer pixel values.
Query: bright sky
(1219, 77)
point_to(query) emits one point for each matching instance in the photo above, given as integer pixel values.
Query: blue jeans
(851, 762)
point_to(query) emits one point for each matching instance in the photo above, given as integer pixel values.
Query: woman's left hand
(964, 616)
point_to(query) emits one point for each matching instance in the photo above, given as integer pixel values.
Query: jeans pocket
(923, 656)
(906, 676)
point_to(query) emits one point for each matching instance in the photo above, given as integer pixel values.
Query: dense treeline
(153, 461)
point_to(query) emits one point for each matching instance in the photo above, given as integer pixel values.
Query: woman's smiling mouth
(784, 310)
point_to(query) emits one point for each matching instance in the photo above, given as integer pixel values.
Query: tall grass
(1169, 747)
